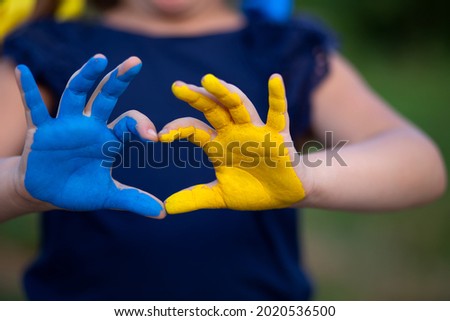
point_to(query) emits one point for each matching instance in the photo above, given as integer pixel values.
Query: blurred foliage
(402, 49)
(393, 23)
(18, 244)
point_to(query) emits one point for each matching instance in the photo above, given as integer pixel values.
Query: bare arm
(13, 199)
(13, 124)
(390, 163)
(58, 162)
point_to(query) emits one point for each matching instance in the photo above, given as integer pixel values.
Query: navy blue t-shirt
(203, 255)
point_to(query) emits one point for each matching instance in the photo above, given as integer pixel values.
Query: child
(218, 254)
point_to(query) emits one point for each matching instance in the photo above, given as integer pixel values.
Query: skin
(391, 163)
(250, 175)
(88, 130)
(175, 17)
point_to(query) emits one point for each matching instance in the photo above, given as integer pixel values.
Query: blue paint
(125, 125)
(64, 165)
(275, 10)
(128, 125)
(111, 91)
(74, 97)
(107, 255)
(35, 104)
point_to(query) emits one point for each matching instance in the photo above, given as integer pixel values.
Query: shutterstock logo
(245, 154)
(331, 150)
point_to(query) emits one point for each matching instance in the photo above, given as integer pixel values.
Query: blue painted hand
(62, 163)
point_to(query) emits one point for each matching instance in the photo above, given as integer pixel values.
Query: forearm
(14, 200)
(396, 169)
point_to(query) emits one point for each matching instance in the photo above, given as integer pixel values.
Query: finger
(196, 131)
(35, 108)
(204, 196)
(240, 107)
(277, 115)
(104, 98)
(130, 199)
(134, 122)
(216, 114)
(73, 99)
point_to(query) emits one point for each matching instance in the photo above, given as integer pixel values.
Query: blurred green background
(402, 48)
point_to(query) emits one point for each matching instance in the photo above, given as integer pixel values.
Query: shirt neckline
(109, 28)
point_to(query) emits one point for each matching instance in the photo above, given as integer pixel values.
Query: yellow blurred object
(13, 13)
(258, 179)
(70, 9)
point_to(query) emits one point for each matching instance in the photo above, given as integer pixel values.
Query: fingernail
(127, 75)
(152, 132)
(21, 68)
(98, 60)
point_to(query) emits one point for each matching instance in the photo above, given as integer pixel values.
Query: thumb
(195, 198)
(131, 199)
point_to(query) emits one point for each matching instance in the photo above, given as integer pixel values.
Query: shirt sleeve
(46, 48)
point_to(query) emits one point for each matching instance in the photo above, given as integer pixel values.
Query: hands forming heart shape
(62, 160)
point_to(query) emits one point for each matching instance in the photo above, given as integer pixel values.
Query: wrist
(308, 169)
(22, 200)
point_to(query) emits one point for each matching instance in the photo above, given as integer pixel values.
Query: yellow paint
(232, 100)
(216, 114)
(13, 13)
(70, 9)
(253, 178)
(194, 135)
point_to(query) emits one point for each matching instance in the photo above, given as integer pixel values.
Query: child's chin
(173, 7)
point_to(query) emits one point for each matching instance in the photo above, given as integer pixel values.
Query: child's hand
(252, 160)
(63, 162)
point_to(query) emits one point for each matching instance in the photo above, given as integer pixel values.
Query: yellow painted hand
(252, 160)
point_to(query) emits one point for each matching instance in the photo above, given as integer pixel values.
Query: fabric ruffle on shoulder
(299, 50)
(46, 47)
